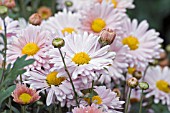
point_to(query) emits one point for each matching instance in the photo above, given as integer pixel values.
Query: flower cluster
(85, 51)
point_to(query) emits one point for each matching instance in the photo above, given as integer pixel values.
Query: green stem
(91, 91)
(65, 67)
(5, 49)
(23, 109)
(53, 6)
(22, 8)
(128, 101)
(145, 73)
(60, 109)
(141, 100)
(10, 105)
(20, 78)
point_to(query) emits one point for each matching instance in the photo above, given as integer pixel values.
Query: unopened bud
(58, 42)
(3, 11)
(45, 12)
(168, 48)
(68, 3)
(144, 85)
(116, 90)
(35, 19)
(137, 74)
(132, 82)
(107, 37)
(10, 3)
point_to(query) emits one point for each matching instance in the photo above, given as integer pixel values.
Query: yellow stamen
(98, 24)
(0, 27)
(25, 98)
(131, 70)
(163, 86)
(115, 3)
(52, 79)
(30, 49)
(68, 30)
(81, 58)
(95, 99)
(131, 41)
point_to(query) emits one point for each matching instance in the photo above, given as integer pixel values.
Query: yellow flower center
(0, 27)
(163, 86)
(115, 3)
(25, 98)
(98, 24)
(131, 41)
(68, 30)
(30, 49)
(44, 15)
(131, 70)
(52, 79)
(81, 58)
(95, 99)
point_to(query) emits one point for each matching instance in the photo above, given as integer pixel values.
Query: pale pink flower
(88, 109)
(31, 41)
(24, 95)
(101, 16)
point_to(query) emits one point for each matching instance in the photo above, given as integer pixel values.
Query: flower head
(31, 41)
(24, 95)
(101, 16)
(83, 56)
(88, 109)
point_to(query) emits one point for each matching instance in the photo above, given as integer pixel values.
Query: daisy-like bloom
(24, 95)
(66, 22)
(159, 82)
(119, 64)
(45, 12)
(11, 25)
(83, 56)
(31, 41)
(106, 99)
(88, 109)
(58, 88)
(74, 5)
(121, 4)
(144, 44)
(101, 16)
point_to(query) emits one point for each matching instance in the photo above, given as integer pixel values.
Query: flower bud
(116, 90)
(132, 82)
(3, 11)
(58, 42)
(144, 85)
(35, 19)
(137, 74)
(45, 12)
(68, 3)
(10, 3)
(107, 37)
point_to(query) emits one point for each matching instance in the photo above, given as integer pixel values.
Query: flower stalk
(76, 96)
(128, 101)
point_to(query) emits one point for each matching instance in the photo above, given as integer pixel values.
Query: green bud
(68, 3)
(3, 11)
(58, 42)
(144, 85)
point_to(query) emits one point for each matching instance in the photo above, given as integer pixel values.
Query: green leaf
(13, 109)
(4, 94)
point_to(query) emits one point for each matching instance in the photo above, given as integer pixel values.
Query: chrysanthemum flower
(83, 56)
(24, 95)
(101, 16)
(121, 4)
(31, 41)
(144, 44)
(159, 82)
(66, 22)
(88, 109)
(106, 99)
(58, 88)
(119, 64)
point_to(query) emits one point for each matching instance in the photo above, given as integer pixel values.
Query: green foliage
(11, 73)
(159, 108)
